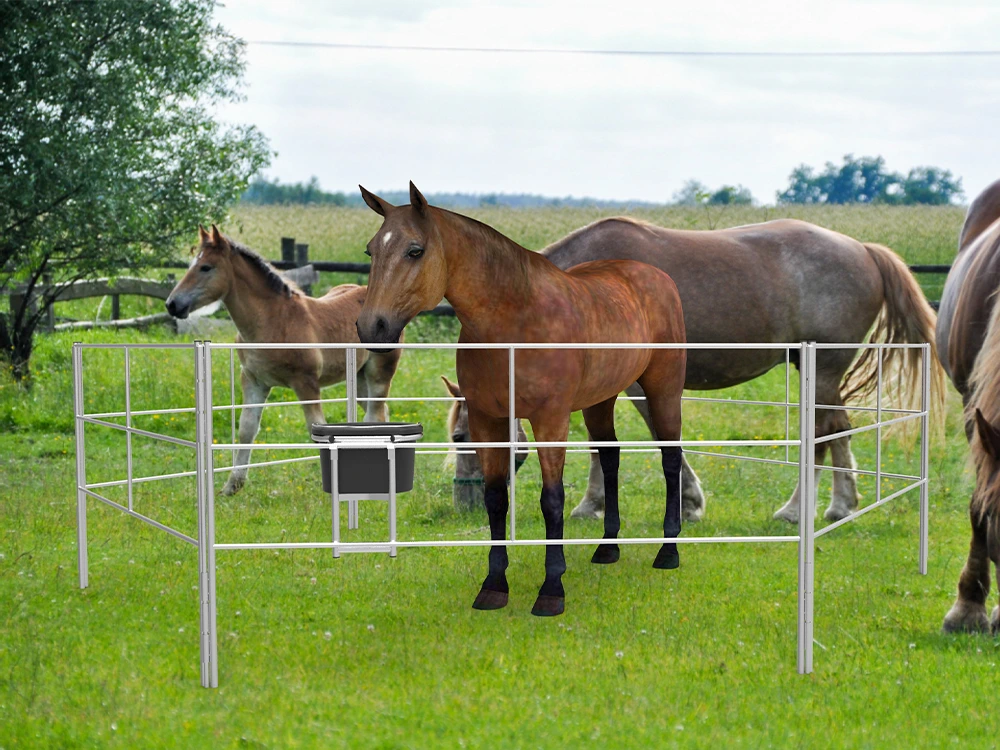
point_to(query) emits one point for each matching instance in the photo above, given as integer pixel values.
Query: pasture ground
(372, 652)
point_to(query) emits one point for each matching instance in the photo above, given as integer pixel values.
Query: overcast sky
(615, 127)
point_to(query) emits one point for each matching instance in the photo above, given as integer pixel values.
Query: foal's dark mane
(275, 281)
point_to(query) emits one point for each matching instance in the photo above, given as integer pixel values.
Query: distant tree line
(262, 191)
(857, 180)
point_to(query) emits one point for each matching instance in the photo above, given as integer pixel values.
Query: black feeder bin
(368, 461)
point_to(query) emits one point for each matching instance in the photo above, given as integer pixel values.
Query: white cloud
(614, 127)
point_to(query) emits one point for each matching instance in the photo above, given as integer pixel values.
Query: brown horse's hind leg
(600, 420)
(692, 496)
(663, 393)
(496, 463)
(968, 613)
(552, 427)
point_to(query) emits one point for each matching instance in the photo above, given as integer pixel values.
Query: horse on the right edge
(968, 338)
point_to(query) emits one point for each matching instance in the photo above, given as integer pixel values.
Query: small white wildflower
(371, 628)
(619, 654)
(328, 635)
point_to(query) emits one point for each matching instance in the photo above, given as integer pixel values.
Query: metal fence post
(351, 381)
(512, 436)
(206, 514)
(807, 502)
(81, 467)
(925, 405)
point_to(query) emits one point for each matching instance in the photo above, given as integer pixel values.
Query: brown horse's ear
(989, 435)
(375, 203)
(203, 237)
(417, 200)
(453, 388)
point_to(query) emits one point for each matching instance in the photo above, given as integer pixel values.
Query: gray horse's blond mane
(984, 384)
(275, 281)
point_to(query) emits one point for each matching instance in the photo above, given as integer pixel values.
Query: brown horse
(503, 293)
(268, 308)
(969, 347)
(779, 282)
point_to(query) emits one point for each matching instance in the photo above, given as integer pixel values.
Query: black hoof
(549, 606)
(667, 559)
(490, 599)
(605, 554)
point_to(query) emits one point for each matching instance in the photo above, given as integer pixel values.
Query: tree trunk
(15, 347)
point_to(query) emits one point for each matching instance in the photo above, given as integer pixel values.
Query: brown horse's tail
(905, 318)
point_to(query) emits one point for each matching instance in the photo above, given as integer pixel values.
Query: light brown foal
(503, 293)
(268, 308)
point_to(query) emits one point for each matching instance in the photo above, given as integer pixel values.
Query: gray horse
(779, 282)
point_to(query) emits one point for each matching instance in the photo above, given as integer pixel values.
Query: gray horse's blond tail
(906, 318)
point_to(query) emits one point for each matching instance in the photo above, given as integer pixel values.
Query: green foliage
(264, 192)
(109, 156)
(366, 651)
(729, 195)
(866, 180)
(695, 193)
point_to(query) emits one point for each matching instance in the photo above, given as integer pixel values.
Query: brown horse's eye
(415, 252)
(205, 269)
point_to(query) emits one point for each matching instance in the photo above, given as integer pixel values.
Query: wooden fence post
(288, 249)
(302, 259)
(116, 306)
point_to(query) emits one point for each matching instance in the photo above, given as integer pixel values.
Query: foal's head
(207, 280)
(408, 273)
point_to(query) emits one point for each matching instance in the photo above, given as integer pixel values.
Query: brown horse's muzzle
(376, 329)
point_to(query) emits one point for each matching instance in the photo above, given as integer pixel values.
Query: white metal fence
(206, 450)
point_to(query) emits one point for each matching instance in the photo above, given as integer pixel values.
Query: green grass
(921, 234)
(372, 652)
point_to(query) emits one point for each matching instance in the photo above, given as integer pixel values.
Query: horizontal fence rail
(205, 451)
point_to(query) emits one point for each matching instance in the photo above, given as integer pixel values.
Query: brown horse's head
(208, 278)
(408, 273)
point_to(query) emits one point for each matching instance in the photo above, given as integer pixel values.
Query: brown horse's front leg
(968, 613)
(496, 464)
(552, 597)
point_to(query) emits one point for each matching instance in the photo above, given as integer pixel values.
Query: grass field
(372, 652)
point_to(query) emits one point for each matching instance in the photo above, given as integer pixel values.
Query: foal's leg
(552, 427)
(377, 377)
(496, 465)
(600, 420)
(968, 613)
(253, 393)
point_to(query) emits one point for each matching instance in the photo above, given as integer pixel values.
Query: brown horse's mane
(503, 255)
(275, 281)
(984, 394)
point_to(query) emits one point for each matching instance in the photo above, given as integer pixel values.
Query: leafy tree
(109, 156)
(930, 185)
(693, 193)
(866, 180)
(728, 195)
